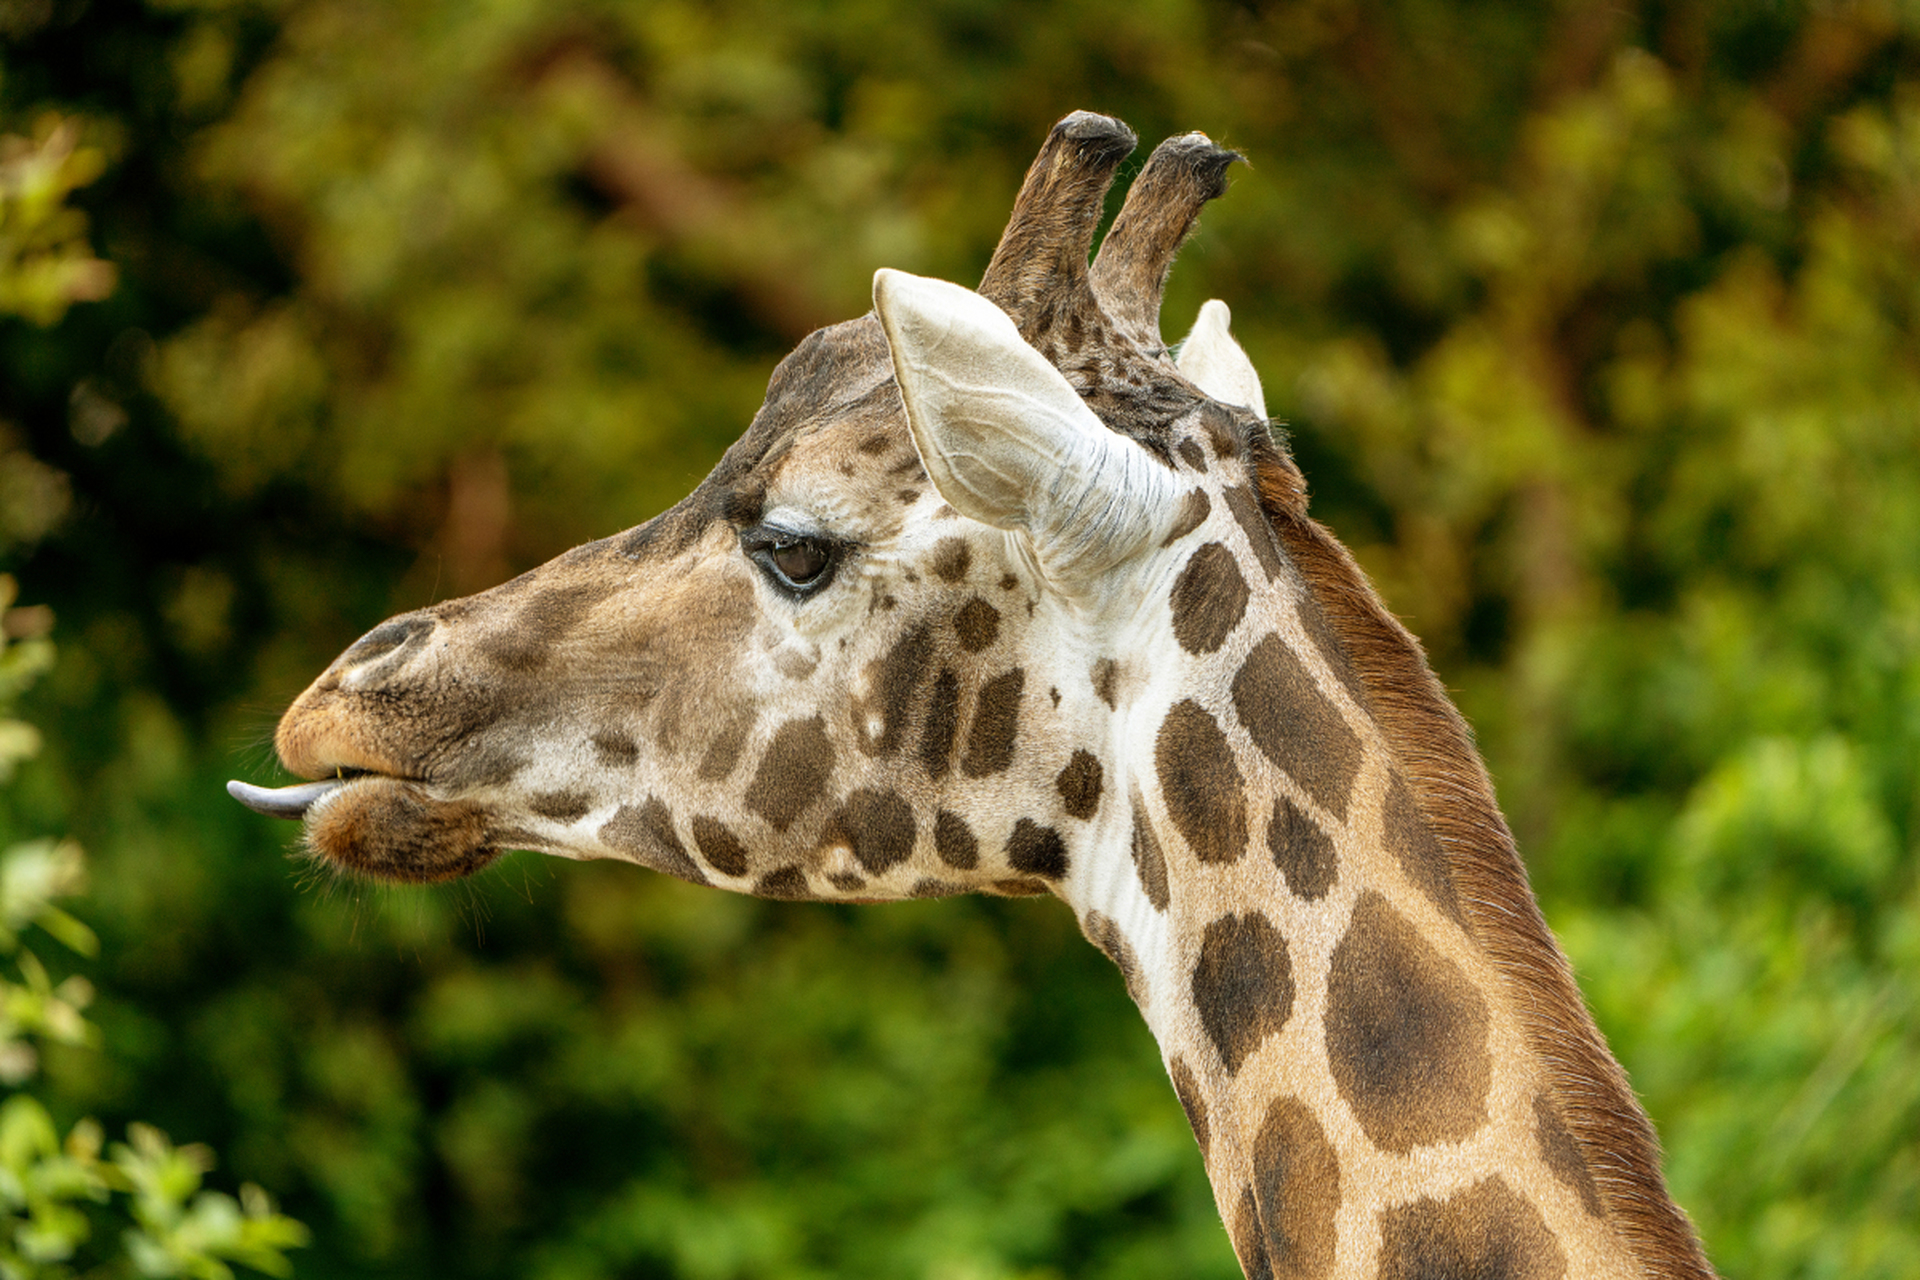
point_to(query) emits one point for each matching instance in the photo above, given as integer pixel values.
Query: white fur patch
(1211, 360)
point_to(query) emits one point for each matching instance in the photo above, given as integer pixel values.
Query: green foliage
(45, 263)
(1596, 326)
(32, 874)
(46, 1181)
(177, 1228)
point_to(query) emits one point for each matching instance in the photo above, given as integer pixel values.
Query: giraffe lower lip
(283, 802)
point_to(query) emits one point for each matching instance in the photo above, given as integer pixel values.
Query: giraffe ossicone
(996, 594)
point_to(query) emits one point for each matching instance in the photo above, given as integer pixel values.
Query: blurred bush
(58, 1214)
(1596, 329)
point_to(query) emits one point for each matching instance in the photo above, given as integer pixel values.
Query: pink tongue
(281, 802)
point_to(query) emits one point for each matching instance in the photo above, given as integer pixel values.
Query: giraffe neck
(1365, 1079)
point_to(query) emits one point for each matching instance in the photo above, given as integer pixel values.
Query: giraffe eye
(796, 563)
(801, 560)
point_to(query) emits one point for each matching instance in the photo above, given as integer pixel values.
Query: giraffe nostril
(384, 639)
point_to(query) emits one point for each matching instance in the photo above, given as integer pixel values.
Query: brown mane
(1432, 744)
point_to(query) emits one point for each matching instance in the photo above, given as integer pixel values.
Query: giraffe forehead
(858, 472)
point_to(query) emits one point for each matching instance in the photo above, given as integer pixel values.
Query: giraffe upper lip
(283, 802)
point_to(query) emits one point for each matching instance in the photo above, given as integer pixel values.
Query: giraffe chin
(390, 829)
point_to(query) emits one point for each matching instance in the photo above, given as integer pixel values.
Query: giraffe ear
(1006, 440)
(1211, 360)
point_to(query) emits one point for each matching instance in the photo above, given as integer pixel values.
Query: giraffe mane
(1433, 745)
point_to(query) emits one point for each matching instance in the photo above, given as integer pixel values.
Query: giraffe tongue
(281, 802)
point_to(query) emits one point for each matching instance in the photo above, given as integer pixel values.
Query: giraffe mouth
(293, 802)
(380, 825)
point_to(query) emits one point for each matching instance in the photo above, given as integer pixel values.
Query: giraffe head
(873, 654)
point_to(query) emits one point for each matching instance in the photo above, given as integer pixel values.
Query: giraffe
(999, 593)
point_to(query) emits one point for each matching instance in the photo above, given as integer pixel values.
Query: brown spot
(1037, 850)
(1192, 454)
(792, 773)
(943, 725)
(615, 749)
(1054, 694)
(927, 887)
(893, 682)
(561, 806)
(954, 841)
(996, 724)
(1148, 862)
(1209, 599)
(908, 496)
(793, 664)
(977, 624)
(877, 443)
(1313, 619)
(1242, 985)
(1079, 784)
(723, 753)
(787, 882)
(1292, 722)
(1253, 523)
(719, 846)
(952, 557)
(1483, 1233)
(1249, 1242)
(1411, 841)
(671, 711)
(1561, 1153)
(1297, 1184)
(1106, 674)
(646, 835)
(880, 827)
(1008, 582)
(1187, 1089)
(1302, 851)
(846, 881)
(1193, 510)
(1406, 1033)
(1201, 784)
(525, 644)
(1022, 888)
(1103, 933)
(1220, 429)
(485, 763)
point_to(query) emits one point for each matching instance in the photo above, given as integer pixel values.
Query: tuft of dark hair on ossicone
(1163, 204)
